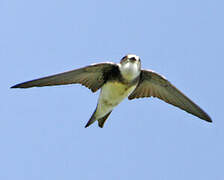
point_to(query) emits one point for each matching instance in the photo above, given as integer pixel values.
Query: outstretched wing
(152, 84)
(93, 77)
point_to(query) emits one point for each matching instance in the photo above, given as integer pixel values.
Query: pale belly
(110, 96)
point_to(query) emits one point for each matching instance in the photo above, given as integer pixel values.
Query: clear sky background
(42, 134)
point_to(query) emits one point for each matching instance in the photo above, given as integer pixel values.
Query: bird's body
(115, 89)
(118, 81)
(112, 93)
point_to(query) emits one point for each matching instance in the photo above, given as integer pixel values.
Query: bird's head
(130, 66)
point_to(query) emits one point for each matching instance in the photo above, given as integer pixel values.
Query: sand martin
(118, 81)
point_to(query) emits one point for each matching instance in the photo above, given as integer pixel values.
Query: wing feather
(152, 84)
(93, 77)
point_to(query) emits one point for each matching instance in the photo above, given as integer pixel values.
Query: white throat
(129, 70)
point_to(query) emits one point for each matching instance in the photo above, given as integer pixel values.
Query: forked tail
(101, 121)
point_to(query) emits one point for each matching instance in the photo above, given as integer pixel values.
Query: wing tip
(15, 86)
(208, 119)
(22, 85)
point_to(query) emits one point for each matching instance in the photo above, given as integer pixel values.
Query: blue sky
(42, 130)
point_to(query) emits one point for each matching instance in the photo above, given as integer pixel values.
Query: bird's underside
(150, 84)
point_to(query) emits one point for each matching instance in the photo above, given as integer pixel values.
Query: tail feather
(91, 120)
(102, 120)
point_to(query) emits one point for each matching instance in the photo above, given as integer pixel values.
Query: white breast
(129, 70)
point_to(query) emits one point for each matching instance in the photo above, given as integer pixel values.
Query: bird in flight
(118, 81)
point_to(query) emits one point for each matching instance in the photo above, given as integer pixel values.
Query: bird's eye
(123, 58)
(133, 59)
